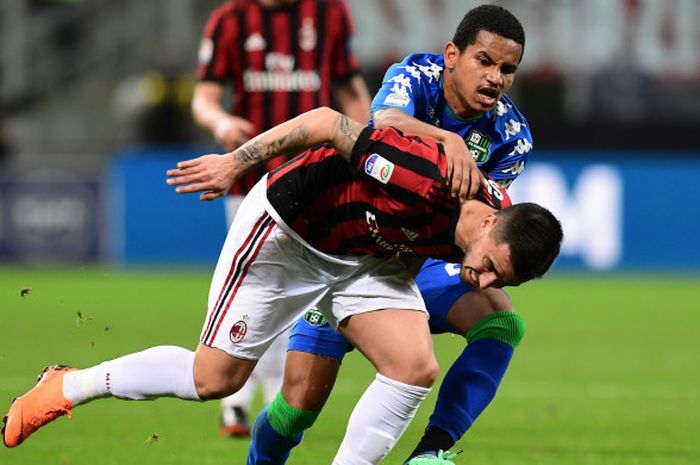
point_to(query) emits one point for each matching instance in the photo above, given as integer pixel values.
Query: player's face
(487, 263)
(477, 77)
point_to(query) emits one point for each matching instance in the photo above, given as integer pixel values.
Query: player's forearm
(393, 117)
(206, 114)
(310, 129)
(207, 110)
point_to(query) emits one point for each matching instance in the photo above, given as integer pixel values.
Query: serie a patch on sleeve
(379, 168)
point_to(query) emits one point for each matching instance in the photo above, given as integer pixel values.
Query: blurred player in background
(281, 58)
(458, 97)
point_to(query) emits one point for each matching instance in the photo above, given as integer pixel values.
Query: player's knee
(209, 388)
(429, 373)
(218, 374)
(505, 326)
(420, 370)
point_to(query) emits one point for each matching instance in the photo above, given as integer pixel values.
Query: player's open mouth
(487, 95)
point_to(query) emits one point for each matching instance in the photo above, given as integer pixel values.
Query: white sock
(379, 419)
(155, 372)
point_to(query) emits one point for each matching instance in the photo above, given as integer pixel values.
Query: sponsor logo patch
(379, 168)
(307, 35)
(238, 331)
(397, 100)
(479, 145)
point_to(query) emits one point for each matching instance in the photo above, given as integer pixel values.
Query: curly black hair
(490, 18)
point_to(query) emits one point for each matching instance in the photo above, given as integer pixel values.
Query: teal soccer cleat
(431, 458)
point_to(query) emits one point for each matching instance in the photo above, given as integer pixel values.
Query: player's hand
(463, 176)
(232, 132)
(212, 175)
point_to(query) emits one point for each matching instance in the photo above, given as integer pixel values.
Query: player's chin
(484, 105)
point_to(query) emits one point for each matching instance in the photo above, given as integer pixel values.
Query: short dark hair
(534, 236)
(490, 18)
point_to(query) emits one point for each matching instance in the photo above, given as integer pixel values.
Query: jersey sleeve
(493, 193)
(217, 49)
(511, 156)
(397, 161)
(345, 64)
(400, 89)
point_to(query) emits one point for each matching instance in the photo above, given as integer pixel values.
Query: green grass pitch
(608, 373)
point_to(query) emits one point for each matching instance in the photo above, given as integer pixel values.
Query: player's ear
(451, 55)
(489, 221)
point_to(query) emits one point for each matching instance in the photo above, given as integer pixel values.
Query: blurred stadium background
(94, 106)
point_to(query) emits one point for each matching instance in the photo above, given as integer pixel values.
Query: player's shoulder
(423, 66)
(439, 271)
(418, 71)
(508, 120)
(506, 109)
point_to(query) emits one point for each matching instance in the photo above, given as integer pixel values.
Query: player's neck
(457, 106)
(471, 214)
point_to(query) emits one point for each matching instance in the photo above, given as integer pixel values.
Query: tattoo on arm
(256, 151)
(346, 134)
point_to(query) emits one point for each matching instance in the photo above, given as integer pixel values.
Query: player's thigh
(382, 313)
(474, 305)
(397, 342)
(263, 282)
(271, 364)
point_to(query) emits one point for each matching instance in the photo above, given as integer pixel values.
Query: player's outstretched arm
(212, 175)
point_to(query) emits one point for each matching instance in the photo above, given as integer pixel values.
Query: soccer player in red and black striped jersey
(280, 58)
(389, 199)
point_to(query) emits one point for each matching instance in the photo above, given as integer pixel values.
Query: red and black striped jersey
(281, 62)
(391, 198)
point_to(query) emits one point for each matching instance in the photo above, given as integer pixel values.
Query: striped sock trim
(287, 420)
(505, 326)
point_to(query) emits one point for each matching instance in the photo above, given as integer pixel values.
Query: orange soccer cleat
(234, 423)
(236, 430)
(42, 404)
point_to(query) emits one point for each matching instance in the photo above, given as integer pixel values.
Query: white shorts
(266, 278)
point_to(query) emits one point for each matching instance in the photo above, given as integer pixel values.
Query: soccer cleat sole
(4, 424)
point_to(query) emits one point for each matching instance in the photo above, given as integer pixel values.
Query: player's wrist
(448, 137)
